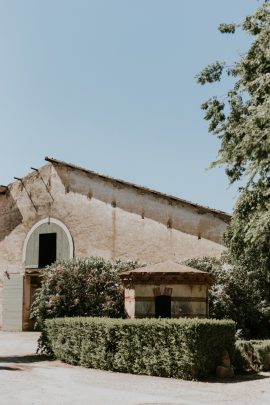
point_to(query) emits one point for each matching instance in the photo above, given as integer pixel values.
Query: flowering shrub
(80, 287)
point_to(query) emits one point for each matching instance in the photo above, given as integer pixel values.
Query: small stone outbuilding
(167, 290)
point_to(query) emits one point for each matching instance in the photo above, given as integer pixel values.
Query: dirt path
(26, 379)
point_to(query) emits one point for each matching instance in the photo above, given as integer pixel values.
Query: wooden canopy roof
(167, 271)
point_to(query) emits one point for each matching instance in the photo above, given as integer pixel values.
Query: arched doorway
(47, 241)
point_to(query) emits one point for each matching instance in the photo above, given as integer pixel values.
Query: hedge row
(252, 355)
(180, 348)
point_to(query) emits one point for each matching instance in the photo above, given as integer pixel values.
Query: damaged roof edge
(3, 189)
(221, 214)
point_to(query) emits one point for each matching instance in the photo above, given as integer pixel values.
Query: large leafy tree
(242, 123)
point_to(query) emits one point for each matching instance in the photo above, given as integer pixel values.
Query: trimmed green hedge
(252, 355)
(180, 348)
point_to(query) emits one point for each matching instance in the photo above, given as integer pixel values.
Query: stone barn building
(76, 212)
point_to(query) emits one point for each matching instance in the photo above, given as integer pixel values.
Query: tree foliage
(237, 294)
(81, 287)
(242, 123)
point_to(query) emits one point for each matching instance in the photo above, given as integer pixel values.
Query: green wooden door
(13, 303)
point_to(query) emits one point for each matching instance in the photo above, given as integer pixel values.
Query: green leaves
(81, 287)
(212, 73)
(241, 291)
(252, 355)
(227, 28)
(248, 235)
(244, 130)
(214, 113)
(242, 123)
(179, 348)
(259, 22)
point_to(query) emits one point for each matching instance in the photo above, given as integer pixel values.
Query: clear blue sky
(109, 85)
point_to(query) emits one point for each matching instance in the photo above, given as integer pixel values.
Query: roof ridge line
(224, 214)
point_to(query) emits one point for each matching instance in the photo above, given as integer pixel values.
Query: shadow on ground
(6, 368)
(238, 378)
(34, 358)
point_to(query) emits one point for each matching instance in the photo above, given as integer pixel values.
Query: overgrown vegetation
(252, 355)
(181, 348)
(237, 294)
(81, 287)
(242, 123)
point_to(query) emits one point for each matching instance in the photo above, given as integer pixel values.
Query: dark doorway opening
(47, 249)
(163, 306)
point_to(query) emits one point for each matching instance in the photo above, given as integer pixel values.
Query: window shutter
(13, 303)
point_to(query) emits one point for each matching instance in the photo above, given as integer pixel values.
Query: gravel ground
(27, 379)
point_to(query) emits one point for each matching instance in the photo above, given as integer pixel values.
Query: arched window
(47, 241)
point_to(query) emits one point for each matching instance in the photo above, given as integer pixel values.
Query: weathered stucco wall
(178, 290)
(104, 219)
(166, 210)
(187, 299)
(10, 215)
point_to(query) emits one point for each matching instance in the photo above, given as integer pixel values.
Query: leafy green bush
(81, 287)
(252, 355)
(181, 348)
(238, 294)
